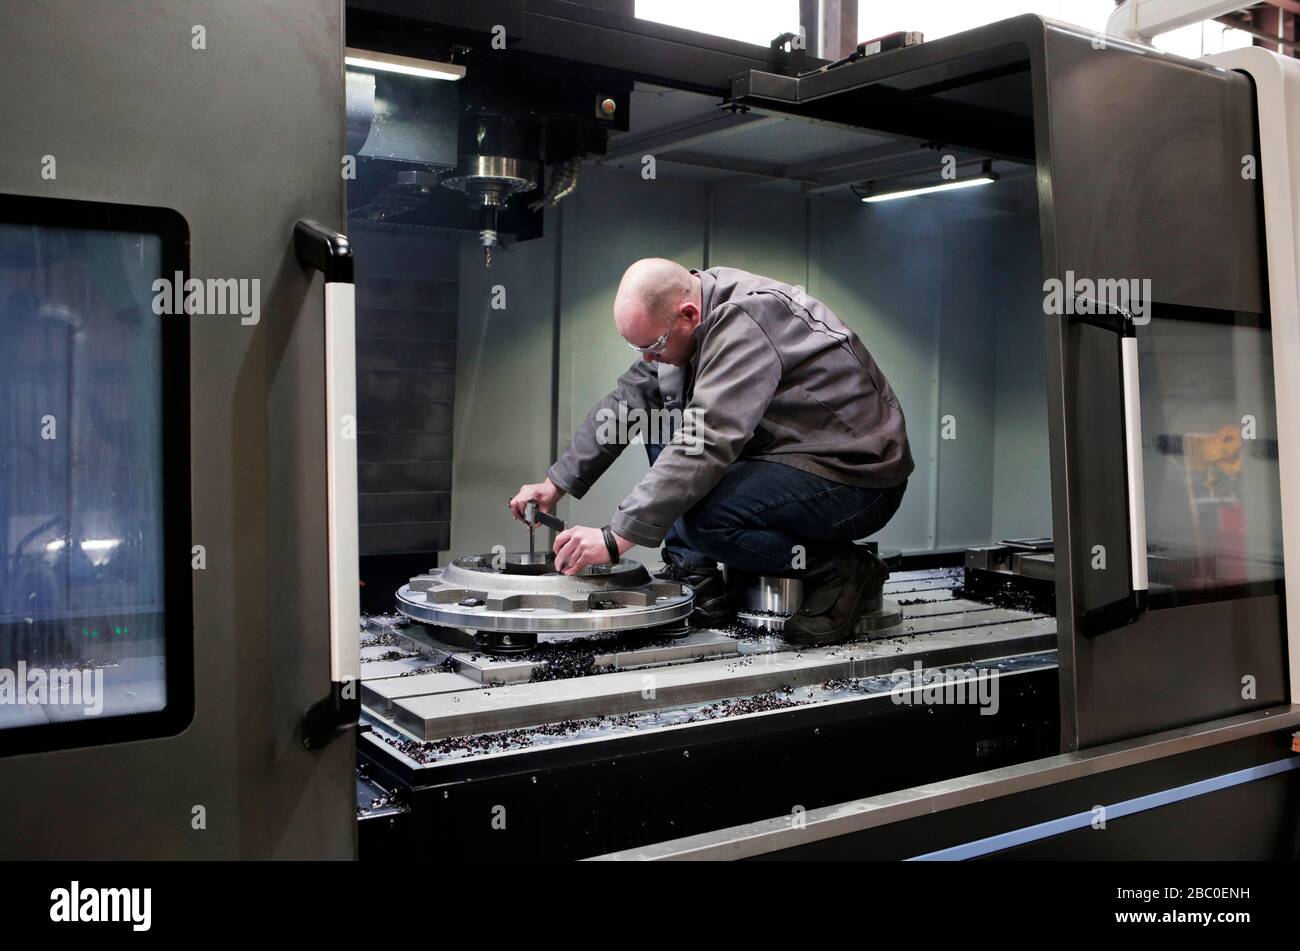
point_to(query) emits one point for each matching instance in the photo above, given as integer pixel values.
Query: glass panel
(750, 21)
(938, 18)
(1209, 430)
(81, 580)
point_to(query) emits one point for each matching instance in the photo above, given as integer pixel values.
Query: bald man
(790, 444)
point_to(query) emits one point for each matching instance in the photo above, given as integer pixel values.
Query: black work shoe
(710, 609)
(831, 611)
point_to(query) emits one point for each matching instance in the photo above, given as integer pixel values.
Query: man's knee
(704, 531)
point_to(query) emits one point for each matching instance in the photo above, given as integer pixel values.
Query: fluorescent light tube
(985, 179)
(406, 65)
(100, 544)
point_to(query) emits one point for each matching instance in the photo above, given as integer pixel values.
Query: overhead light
(406, 65)
(100, 544)
(99, 551)
(986, 176)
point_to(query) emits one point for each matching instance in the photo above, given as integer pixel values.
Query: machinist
(794, 446)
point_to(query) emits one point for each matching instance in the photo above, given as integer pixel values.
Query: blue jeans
(773, 519)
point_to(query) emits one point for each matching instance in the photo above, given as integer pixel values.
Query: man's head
(658, 307)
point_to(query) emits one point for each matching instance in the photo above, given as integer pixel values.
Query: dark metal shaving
(431, 669)
(390, 655)
(577, 658)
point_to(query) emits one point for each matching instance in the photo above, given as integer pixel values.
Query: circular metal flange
(892, 557)
(885, 620)
(504, 594)
(502, 643)
(529, 563)
(767, 594)
(764, 594)
(507, 643)
(495, 177)
(765, 602)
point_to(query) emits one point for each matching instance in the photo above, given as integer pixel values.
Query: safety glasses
(658, 345)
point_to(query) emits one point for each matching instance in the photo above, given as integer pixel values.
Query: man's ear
(690, 313)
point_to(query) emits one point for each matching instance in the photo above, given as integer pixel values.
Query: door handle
(1125, 611)
(329, 252)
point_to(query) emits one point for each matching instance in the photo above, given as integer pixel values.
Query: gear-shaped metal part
(505, 593)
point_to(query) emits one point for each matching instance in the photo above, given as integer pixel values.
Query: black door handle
(1126, 610)
(330, 253)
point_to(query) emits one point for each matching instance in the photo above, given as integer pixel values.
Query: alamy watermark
(621, 425)
(60, 686)
(79, 903)
(950, 686)
(1089, 296)
(215, 296)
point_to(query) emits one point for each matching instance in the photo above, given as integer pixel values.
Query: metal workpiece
(766, 602)
(892, 557)
(1032, 557)
(526, 596)
(606, 651)
(764, 593)
(883, 621)
(1029, 565)
(1018, 572)
(1000, 558)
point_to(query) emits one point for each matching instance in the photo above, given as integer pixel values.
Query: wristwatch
(610, 545)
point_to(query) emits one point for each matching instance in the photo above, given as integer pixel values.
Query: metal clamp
(534, 516)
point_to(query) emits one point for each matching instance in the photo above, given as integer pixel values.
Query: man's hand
(545, 494)
(579, 546)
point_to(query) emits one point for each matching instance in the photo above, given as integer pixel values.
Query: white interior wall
(967, 400)
(1022, 491)
(614, 218)
(502, 435)
(872, 266)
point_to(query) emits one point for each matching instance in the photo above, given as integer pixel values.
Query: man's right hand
(545, 494)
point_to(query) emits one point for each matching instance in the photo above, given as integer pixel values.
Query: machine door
(1163, 417)
(1167, 486)
(166, 462)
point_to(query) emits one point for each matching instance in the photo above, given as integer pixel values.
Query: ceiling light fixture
(406, 65)
(986, 176)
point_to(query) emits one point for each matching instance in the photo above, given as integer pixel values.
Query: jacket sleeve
(739, 371)
(589, 454)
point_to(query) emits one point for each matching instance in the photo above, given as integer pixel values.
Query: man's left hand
(579, 546)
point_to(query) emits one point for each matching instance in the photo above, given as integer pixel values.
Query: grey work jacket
(775, 376)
